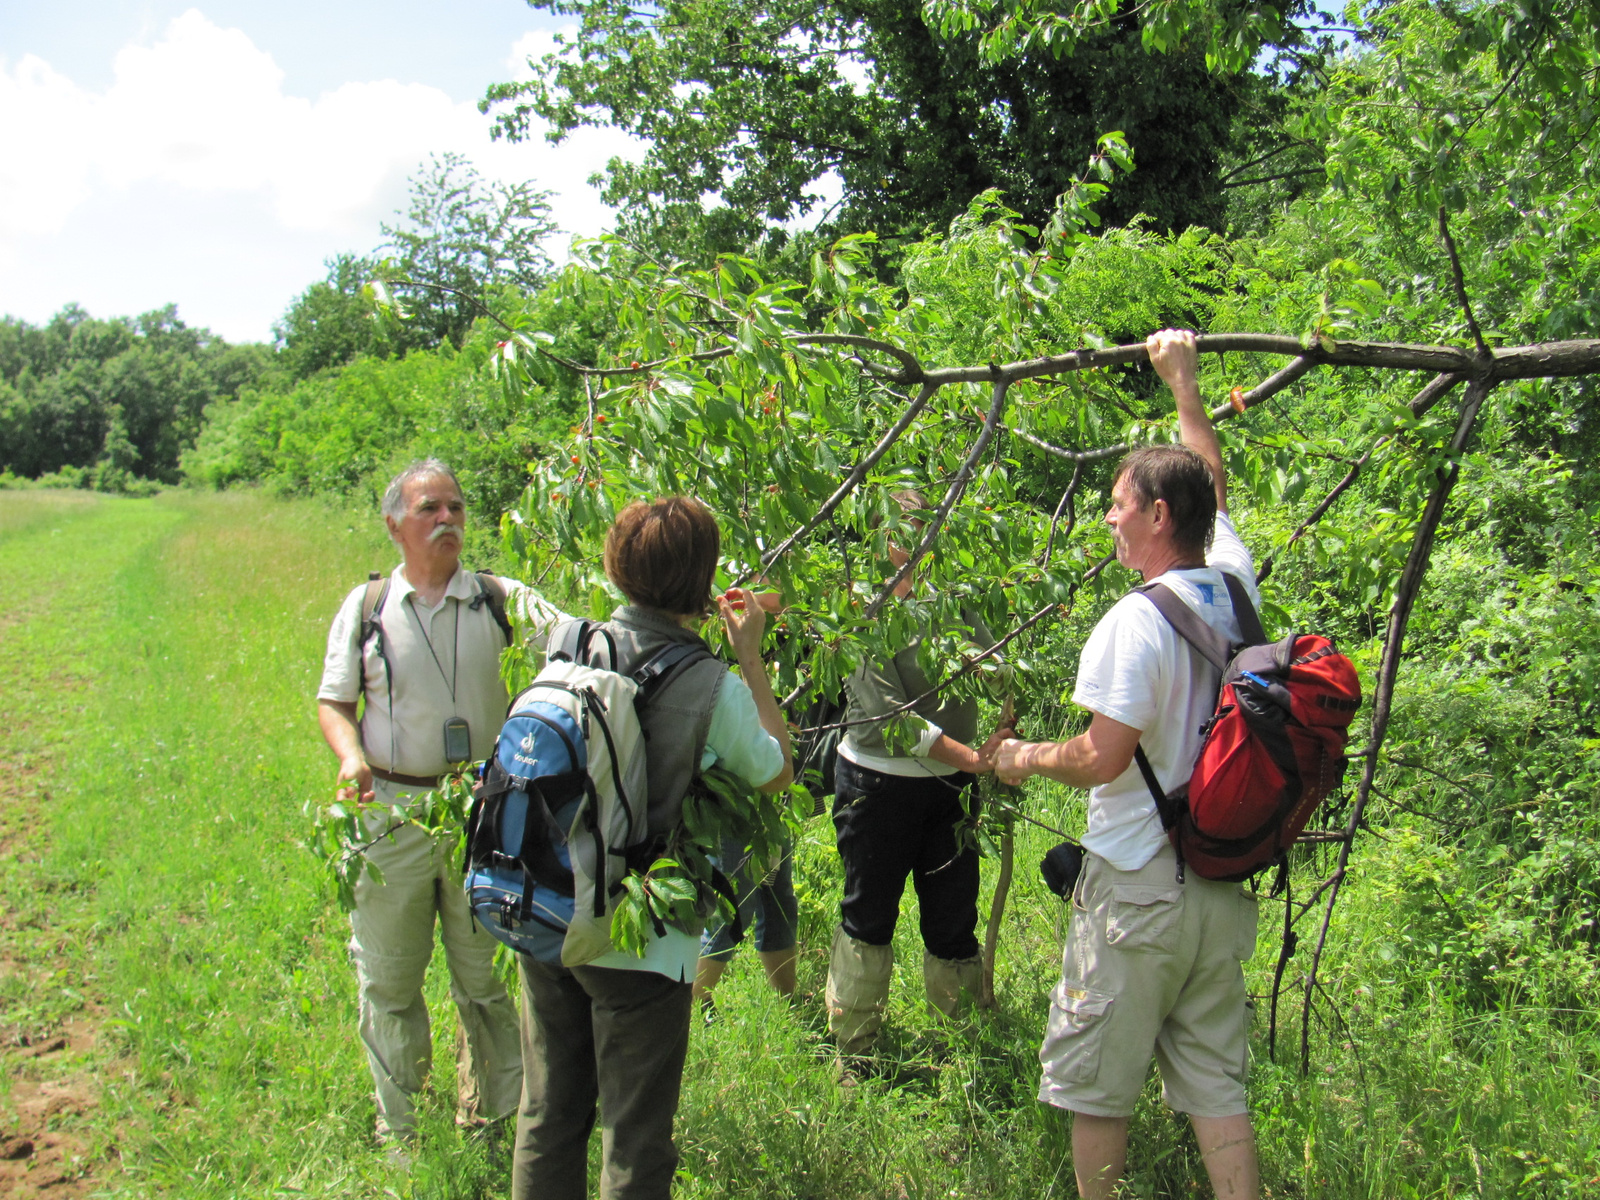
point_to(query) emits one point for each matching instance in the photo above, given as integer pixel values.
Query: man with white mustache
(423, 648)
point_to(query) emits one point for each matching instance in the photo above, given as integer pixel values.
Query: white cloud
(198, 122)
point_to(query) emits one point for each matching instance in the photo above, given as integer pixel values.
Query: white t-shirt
(1137, 670)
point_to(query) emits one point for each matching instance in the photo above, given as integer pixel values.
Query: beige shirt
(428, 649)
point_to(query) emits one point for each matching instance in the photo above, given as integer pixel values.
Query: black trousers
(891, 826)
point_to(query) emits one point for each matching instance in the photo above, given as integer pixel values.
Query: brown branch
(1461, 284)
(1259, 394)
(1076, 457)
(1388, 669)
(1265, 390)
(952, 494)
(1299, 173)
(1550, 359)
(857, 474)
(1072, 515)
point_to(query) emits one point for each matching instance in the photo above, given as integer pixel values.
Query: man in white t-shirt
(1152, 966)
(432, 659)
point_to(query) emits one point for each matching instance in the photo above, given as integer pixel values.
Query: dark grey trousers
(597, 1035)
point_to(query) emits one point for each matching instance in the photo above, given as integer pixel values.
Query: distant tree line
(106, 402)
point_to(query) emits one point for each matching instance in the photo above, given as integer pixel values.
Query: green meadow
(161, 657)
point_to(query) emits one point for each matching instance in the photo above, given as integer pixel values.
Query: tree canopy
(459, 238)
(745, 107)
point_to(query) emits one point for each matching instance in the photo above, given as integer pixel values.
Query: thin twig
(857, 474)
(1436, 389)
(1461, 285)
(1072, 515)
(953, 493)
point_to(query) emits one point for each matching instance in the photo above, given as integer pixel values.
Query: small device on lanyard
(457, 740)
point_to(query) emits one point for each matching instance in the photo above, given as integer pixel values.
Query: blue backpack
(560, 816)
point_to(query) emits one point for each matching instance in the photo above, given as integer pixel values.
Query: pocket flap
(1080, 1001)
(1144, 895)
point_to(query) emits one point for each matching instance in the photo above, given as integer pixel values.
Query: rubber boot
(952, 984)
(858, 991)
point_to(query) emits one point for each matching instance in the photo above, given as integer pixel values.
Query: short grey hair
(394, 496)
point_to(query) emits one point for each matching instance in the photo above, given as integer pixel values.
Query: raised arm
(1173, 355)
(744, 615)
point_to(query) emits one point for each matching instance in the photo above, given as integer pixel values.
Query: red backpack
(1274, 747)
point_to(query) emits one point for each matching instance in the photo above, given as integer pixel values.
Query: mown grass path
(177, 1010)
(158, 742)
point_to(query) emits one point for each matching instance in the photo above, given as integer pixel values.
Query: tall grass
(194, 628)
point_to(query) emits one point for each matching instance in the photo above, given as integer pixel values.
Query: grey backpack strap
(655, 673)
(568, 641)
(372, 604)
(1188, 624)
(491, 593)
(1249, 621)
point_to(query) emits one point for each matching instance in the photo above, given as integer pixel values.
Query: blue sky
(213, 154)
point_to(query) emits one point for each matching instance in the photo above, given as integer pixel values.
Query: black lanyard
(455, 647)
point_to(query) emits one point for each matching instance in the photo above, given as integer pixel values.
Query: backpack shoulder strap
(667, 662)
(574, 641)
(1249, 620)
(490, 592)
(567, 641)
(1188, 624)
(372, 601)
(372, 606)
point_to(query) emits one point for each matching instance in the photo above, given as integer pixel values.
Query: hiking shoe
(852, 1069)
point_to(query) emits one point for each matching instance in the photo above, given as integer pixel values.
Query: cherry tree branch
(1388, 671)
(857, 474)
(1461, 284)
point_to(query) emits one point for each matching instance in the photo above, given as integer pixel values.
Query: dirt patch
(48, 1150)
(44, 1151)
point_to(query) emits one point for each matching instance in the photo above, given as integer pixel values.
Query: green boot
(858, 991)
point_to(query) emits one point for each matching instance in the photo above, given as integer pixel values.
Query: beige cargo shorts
(1152, 967)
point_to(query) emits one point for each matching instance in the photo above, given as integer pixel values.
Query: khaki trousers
(391, 942)
(1151, 970)
(597, 1035)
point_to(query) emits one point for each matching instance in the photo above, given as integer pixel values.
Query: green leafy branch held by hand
(340, 833)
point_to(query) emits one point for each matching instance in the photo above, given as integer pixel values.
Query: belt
(421, 781)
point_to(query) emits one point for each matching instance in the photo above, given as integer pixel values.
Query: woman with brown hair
(615, 1031)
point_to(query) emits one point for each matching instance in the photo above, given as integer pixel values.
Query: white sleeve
(1121, 670)
(1229, 553)
(342, 672)
(736, 738)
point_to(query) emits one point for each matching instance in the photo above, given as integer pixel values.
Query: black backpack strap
(1170, 810)
(1165, 805)
(491, 592)
(372, 601)
(1249, 620)
(655, 673)
(1188, 624)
